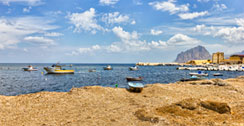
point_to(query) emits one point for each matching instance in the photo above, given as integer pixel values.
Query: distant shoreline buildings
(218, 58)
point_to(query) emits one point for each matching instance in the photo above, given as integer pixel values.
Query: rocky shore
(207, 102)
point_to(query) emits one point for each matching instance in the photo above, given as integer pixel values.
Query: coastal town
(217, 63)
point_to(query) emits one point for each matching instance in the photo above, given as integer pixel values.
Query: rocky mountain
(242, 53)
(196, 53)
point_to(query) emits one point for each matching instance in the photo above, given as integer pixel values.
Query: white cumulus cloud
(108, 2)
(219, 7)
(133, 22)
(27, 10)
(159, 44)
(29, 2)
(14, 30)
(169, 6)
(231, 34)
(156, 32)
(123, 35)
(85, 21)
(116, 17)
(53, 34)
(88, 50)
(203, 0)
(39, 40)
(131, 43)
(182, 40)
(193, 15)
(240, 22)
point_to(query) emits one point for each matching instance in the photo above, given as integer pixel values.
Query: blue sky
(116, 31)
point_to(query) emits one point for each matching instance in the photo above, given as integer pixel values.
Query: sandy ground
(179, 104)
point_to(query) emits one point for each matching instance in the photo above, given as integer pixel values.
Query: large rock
(145, 116)
(219, 82)
(216, 106)
(196, 53)
(190, 103)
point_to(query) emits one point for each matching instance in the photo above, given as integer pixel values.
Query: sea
(15, 81)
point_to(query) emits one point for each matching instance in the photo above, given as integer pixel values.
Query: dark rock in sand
(219, 82)
(190, 104)
(145, 116)
(216, 106)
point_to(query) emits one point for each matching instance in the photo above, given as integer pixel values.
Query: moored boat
(92, 70)
(133, 68)
(107, 67)
(217, 74)
(57, 69)
(192, 78)
(134, 78)
(30, 68)
(135, 87)
(199, 74)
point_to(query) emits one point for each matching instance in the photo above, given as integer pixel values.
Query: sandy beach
(180, 104)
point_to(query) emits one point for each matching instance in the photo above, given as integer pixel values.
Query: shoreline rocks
(158, 104)
(217, 82)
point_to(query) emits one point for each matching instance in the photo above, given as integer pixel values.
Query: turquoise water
(15, 81)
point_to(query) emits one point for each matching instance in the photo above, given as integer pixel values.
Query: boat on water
(57, 69)
(133, 68)
(107, 67)
(92, 70)
(217, 74)
(134, 78)
(192, 78)
(199, 74)
(30, 68)
(135, 87)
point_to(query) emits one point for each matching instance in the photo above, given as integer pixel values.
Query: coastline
(157, 104)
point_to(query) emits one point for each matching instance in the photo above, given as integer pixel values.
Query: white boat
(133, 68)
(217, 74)
(57, 69)
(192, 78)
(134, 78)
(181, 68)
(135, 87)
(30, 68)
(198, 74)
(108, 68)
(92, 70)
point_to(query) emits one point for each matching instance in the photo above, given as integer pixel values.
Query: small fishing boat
(107, 67)
(57, 69)
(217, 74)
(92, 70)
(30, 68)
(135, 87)
(192, 78)
(133, 68)
(134, 78)
(199, 74)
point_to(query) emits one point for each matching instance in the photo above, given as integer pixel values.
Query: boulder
(219, 82)
(240, 77)
(190, 103)
(207, 82)
(216, 106)
(145, 116)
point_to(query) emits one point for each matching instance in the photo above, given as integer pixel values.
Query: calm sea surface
(15, 81)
